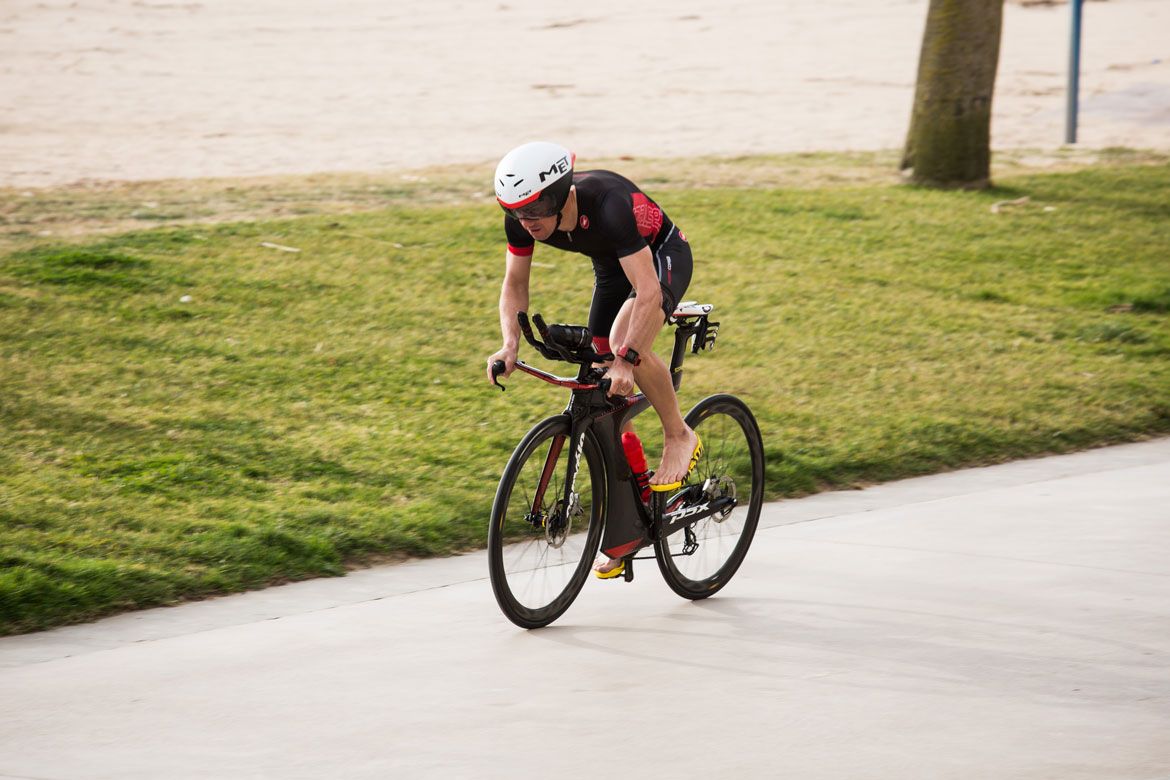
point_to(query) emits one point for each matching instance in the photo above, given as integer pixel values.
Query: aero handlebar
(561, 342)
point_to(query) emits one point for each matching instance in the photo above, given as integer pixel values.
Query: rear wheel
(541, 545)
(699, 559)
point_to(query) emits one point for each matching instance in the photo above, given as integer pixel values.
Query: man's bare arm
(647, 315)
(513, 298)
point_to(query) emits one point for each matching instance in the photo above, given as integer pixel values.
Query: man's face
(540, 229)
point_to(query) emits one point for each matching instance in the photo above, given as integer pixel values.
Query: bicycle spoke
(538, 567)
(732, 467)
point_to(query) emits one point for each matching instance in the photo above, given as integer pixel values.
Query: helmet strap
(561, 212)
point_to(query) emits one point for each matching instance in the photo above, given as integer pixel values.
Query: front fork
(561, 511)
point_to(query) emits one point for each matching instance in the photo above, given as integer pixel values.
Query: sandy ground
(113, 89)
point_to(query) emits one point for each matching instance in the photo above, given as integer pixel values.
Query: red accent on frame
(622, 550)
(601, 345)
(550, 463)
(571, 384)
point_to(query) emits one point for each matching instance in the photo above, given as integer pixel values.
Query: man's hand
(621, 378)
(508, 355)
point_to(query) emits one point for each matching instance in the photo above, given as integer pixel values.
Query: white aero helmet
(533, 180)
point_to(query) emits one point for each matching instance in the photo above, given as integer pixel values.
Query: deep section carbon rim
(700, 559)
(541, 546)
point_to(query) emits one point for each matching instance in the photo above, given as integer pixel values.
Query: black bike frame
(629, 525)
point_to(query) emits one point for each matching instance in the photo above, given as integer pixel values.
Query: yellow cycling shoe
(616, 571)
(698, 453)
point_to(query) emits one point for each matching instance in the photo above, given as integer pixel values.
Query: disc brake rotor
(561, 522)
(720, 487)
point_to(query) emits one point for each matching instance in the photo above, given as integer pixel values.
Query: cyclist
(641, 263)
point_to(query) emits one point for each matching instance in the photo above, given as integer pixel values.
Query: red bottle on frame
(637, 459)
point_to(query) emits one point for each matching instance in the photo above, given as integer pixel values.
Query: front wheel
(542, 538)
(699, 559)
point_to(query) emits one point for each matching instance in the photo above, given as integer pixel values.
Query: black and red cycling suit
(615, 219)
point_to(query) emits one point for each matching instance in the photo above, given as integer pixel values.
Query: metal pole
(1074, 73)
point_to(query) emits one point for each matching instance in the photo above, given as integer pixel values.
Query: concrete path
(1007, 622)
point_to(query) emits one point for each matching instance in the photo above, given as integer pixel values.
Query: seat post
(685, 328)
(682, 332)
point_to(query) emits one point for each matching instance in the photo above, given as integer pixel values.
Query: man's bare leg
(678, 440)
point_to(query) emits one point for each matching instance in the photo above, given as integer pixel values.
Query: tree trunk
(949, 143)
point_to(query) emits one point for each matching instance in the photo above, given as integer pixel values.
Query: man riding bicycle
(642, 265)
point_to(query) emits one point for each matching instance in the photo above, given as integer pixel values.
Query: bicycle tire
(534, 578)
(721, 421)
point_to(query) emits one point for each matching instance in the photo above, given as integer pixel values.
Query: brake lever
(498, 368)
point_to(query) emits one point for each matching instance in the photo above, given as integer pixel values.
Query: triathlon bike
(569, 488)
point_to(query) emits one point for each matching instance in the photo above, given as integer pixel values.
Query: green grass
(306, 412)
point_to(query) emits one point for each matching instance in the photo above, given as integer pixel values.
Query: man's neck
(568, 219)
